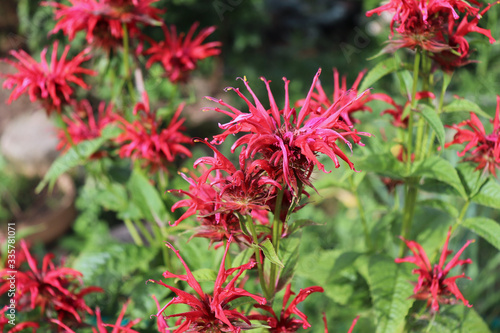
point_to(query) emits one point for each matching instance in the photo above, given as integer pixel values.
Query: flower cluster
(48, 83)
(433, 284)
(104, 20)
(485, 147)
(437, 26)
(209, 312)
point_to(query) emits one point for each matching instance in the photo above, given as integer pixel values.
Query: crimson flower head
(484, 148)
(285, 323)
(210, 313)
(146, 140)
(48, 83)
(18, 327)
(179, 54)
(320, 101)
(50, 287)
(288, 139)
(433, 285)
(432, 26)
(83, 125)
(103, 20)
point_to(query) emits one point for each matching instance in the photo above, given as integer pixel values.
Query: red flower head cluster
(48, 83)
(320, 101)
(210, 313)
(245, 191)
(179, 54)
(285, 323)
(485, 147)
(52, 287)
(289, 140)
(82, 124)
(101, 327)
(433, 285)
(431, 25)
(146, 140)
(103, 20)
(18, 327)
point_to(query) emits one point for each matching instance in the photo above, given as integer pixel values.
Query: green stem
(460, 218)
(413, 105)
(133, 232)
(431, 322)
(256, 248)
(145, 232)
(362, 214)
(444, 87)
(409, 210)
(126, 63)
(277, 228)
(159, 240)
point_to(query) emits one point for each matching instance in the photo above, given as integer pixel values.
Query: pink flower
(484, 148)
(285, 323)
(82, 124)
(179, 54)
(48, 83)
(146, 140)
(209, 312)
(18, 327)
(288, 139)
(433, 285)
(398, 111)
(51, 287)
(102, 20)
(320, 101)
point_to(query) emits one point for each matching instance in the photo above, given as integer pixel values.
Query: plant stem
(126, 65)
(159, 240)
(409, 210)
(431, 322)
(409, 146)
(133, 232)
(145, 232)
(277, 229)
(362, 214)
(444, 87)
(256, 248)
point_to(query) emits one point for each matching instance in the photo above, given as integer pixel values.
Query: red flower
(210, 313)
(144, 139)
(430, 25)
(48, 83)
(101, 327)
(285, 323)
(82, 124)
(355, 320)
(433, 285)
(102, 20)
(320, 101)
(18, 327)
(398, 111)
(290, 141)
(179, 54)
(485, 147)
(51, 287)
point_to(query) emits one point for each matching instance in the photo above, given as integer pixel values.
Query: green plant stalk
(444, 87)
(256, 248)
(133, 232)
(159, 240)
(277, 227)
(409, 210)
(362, 214)
(145, 232)
(409, 145)
(126, 63)
(422, 125)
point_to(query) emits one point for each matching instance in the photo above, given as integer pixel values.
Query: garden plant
(363, 202)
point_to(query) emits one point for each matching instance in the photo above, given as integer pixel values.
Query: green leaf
(489, 194)
(433, 119)
(380, 70)
(75, 156)
(205, 274)
(270, 253)
(440, 204)
(438, 168)
(390, 290)
(289, 249)
(382, 163)
(243, 257)
(471, 178)
(459, 319)
(486, 228)
(146, 197)
(241, 301)
(464, 105)
(297, 225)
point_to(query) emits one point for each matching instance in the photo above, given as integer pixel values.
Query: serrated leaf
(146, 197)
(459, 319)
(438, 168)
(432, 118)
(464, 105)
(489, 194)
(390, 290)
(440, 204)
(205, 274)
(269, 252)
(486, 228)
(346, 259)
(380, 70)
(75, 156)
(297, 225)
(471, 178)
